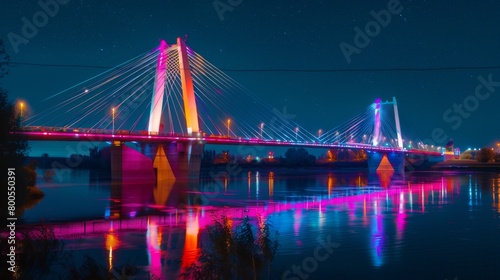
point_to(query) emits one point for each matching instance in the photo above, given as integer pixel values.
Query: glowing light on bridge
(21, 105)
(113, 118)
(159, 89)
(376, 131)
(190, 109)
(21, 113)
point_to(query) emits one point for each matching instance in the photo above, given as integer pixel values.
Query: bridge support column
(181, 161)
(130, 165)
(386, 161)
(173, 167)
(149, 150)
(177, 166)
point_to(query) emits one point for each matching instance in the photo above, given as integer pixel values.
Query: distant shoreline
(450, 165)
(467, 165)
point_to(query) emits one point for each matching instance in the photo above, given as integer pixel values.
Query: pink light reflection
(154, 252)
(297, 218)
(377, 240)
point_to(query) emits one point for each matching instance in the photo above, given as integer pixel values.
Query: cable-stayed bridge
(173, 101)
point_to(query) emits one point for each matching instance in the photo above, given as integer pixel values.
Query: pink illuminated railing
(94, 135)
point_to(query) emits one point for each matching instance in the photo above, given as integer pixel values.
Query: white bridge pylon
(191, 112)
(376, 130)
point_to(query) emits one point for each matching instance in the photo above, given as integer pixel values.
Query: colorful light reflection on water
(379, 220)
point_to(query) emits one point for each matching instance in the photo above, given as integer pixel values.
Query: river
(329, 224)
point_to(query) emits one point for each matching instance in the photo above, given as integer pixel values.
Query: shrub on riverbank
(234, 252)
(485, 155)
(41, 255)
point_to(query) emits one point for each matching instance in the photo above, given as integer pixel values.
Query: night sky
(458, 42)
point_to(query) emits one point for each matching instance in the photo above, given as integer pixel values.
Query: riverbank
(283, 168)
(467, 165)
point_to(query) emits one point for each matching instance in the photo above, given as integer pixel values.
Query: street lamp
(261, 129)
(113, 111)
(228, 127)
(21, 105)
(296, 133)
(320, 131)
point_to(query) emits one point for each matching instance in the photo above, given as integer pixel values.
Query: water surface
(380, 226)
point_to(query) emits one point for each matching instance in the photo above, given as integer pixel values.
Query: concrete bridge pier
(386, 161)
(179, 161)
(129, 165)
(169, 169)
(173, 161)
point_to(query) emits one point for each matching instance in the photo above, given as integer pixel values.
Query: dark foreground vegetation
(236, 249)
(235, 252)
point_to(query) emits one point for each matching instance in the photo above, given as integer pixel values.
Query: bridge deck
(221, 140)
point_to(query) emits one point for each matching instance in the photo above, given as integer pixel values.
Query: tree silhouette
(299, 157)
(208, 156)
(12, 148)
(4, 60)
(243, 251)
(467, 155)
(485, 155)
